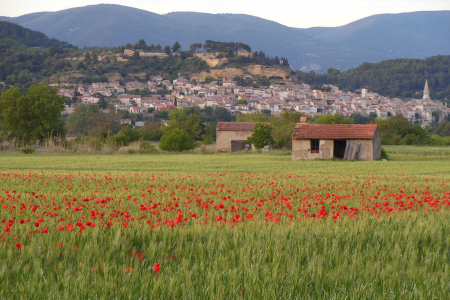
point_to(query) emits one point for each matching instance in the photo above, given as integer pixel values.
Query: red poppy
(156, 268)
(19, 245)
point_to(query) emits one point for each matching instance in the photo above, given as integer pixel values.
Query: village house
(127, 99)
(344, 141)
(138, 110)
(125, 107)
(89, 99)
(66, 93)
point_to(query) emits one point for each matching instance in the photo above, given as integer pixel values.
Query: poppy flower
(19, 245)
(156, 268)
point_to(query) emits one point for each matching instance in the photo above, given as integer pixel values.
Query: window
(315, 146)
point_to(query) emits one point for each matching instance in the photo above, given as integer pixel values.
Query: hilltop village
(165, 95)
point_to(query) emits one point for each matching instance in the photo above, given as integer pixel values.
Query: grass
(226, 162)
(385, 233)
(416, 149)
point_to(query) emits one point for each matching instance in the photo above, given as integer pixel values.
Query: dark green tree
(32, 115)
(102, 102)
(195, 47)
(167, 49)
(141, 43)
(176, 46)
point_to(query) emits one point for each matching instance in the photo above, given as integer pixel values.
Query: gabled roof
(304, 131)
(237, 126)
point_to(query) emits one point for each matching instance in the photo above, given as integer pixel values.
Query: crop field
(222, 226)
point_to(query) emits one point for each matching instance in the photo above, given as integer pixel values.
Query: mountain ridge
(370, 39)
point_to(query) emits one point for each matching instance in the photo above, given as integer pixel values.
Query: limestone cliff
(252, 71)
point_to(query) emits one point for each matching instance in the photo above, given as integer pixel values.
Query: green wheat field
(225, 226)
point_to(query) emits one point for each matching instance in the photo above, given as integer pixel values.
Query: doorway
(339, 148)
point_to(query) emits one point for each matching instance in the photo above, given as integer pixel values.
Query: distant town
(276, 98)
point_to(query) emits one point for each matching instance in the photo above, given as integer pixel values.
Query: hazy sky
(294, 13)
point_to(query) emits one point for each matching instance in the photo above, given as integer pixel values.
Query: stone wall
(301, 150)
(224, 138)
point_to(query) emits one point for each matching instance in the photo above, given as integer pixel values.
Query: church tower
(426, 92)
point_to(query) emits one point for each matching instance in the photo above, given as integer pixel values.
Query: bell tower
(426, 92)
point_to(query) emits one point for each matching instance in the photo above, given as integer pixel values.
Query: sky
(293, 13)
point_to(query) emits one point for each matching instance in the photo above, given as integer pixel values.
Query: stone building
(326, 141)
(232, 136)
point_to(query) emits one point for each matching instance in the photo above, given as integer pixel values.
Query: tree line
(35, 115)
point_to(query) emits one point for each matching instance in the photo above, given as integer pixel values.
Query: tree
(221, 114)
(261, 136)
(195, 47)
(102, 103)
(242, 101)
(191, 123)
(87, 57)
(94, 58)
(176, 46)
(87, 119)
(128, 135)
(142, 43)
(333, 119)
(151, 131)
(167, 49)
(33, 115)
(176, 140)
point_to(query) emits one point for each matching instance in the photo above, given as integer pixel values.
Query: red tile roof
(237, 126)
(304, 131)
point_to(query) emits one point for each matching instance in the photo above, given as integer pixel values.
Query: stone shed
(345, 141)
(232, 136)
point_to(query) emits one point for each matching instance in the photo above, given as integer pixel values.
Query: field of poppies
(105, 234)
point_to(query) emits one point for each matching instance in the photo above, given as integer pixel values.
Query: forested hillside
(28, 57)
(396, 78)
(27, 37)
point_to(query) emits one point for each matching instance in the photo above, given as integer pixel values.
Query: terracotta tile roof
(304, 131)
(237, 126)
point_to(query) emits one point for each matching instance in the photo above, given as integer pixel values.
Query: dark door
(339, 148)
(238, 145)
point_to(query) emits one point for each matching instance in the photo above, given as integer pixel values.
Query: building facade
(327, 141)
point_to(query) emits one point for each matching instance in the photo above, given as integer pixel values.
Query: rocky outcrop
(253, 71)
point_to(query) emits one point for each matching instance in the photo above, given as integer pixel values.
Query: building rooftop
(237, 126)
(304, 131)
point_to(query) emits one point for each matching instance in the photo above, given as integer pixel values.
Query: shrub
(176, 140)
(28, 150)
(384, 154)
(145, 147)
(207, 139)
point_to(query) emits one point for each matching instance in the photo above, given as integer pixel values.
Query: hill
(27, 37)
(120, 25)
(307, 49)
(396, 78)
(405, 35)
